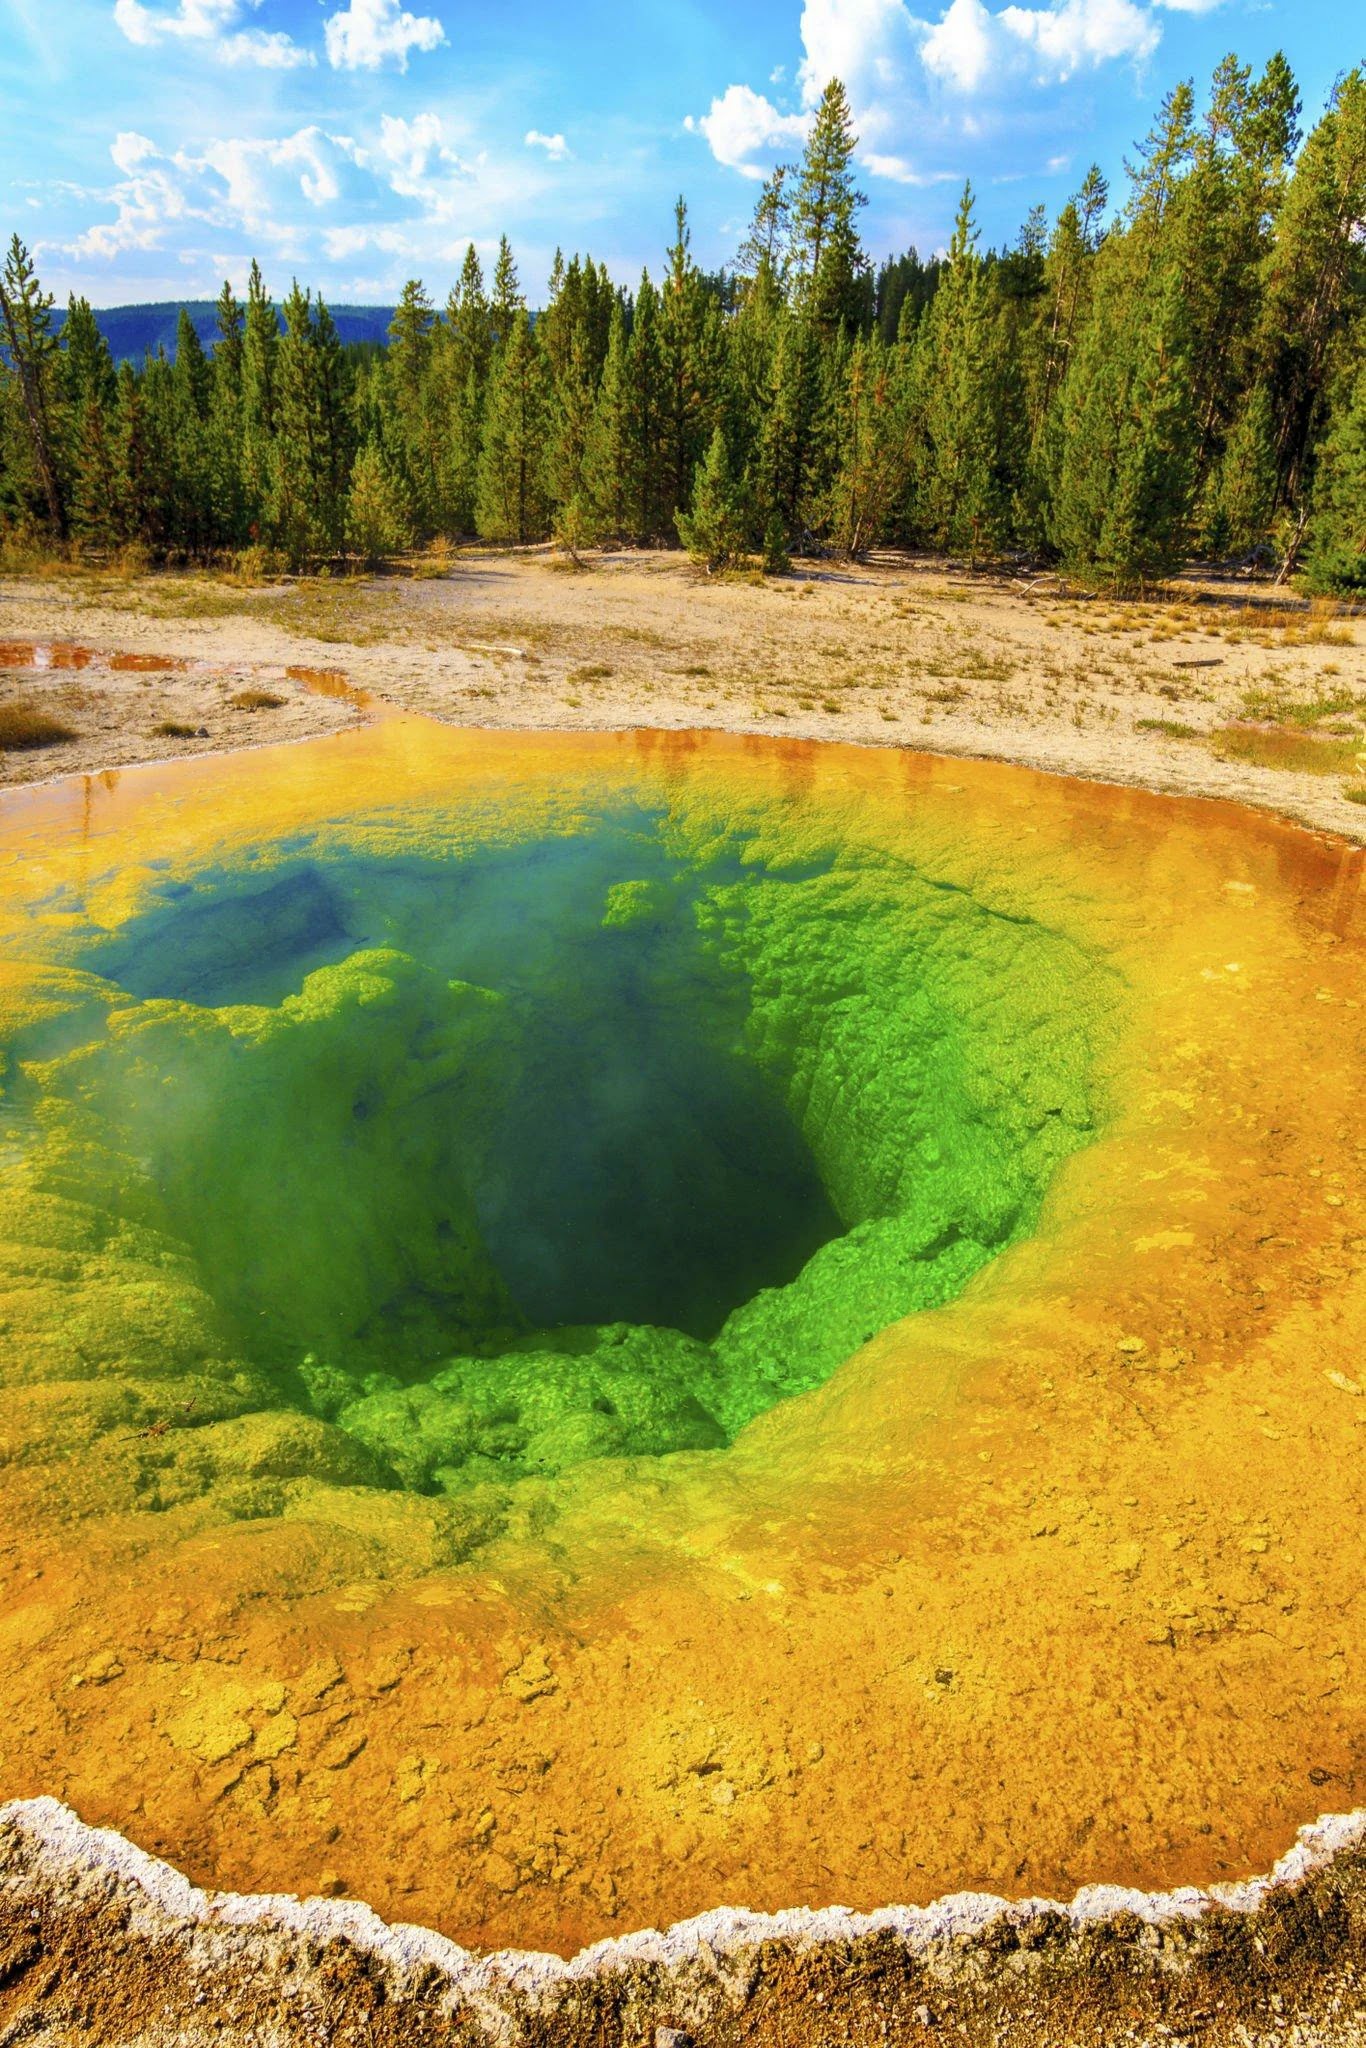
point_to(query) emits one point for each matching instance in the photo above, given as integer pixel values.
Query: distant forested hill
(131, 330)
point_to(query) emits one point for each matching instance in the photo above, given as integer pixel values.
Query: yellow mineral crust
(1058, 1583)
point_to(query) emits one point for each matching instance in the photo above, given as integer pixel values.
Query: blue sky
(149, 147)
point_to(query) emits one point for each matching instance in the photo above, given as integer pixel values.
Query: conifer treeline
(1115, 394)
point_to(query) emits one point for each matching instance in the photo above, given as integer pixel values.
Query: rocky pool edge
(102, 1943)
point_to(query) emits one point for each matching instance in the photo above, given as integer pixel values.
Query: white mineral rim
(709, 1955)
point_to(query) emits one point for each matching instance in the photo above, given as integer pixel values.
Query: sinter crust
(100, 1943)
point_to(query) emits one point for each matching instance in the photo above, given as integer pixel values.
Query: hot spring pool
(596, 1324)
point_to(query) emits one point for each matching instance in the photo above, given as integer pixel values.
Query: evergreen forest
(1169, 373)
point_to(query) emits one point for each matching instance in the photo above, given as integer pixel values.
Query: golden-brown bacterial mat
(594, 1325)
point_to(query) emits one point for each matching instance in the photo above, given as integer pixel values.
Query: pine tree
(86, 368)
(611, 462)
(190, 451)
(968, 480)
(787, 463)
(746, 376)
(507, 293)
(26, 321)
(1336, 557)
(713, 531)
(572, 410)
(1122, 507)
(1242, 499)
(376, 522)
(463, 346)
(651, 513)
(568, 346)
(225, 423)
(1163, 157)
(513, 500)
(1312, 277)
(134, 464)
(768, 243)
(872, 468)
(94, 491)
(312, 467)
(469, 322)
(88, 388)
(418, 416)
(827, 257)
(1217, 229)
(1065, 298)
(260, 346)
(688, 347)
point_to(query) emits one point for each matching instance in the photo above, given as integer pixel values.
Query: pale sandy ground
(894, 652)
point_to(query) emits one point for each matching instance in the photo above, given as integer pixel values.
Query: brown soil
(894, 652)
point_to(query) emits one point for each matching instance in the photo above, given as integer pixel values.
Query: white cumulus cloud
(1081, 34)
(555, 146)
(742, 125)
(914, 82)
(366, 34)
(213, 24)
(397, 190)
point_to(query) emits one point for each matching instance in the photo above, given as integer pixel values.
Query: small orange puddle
(330, 682)
(65, 654)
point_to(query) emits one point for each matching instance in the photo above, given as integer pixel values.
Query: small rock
(102, 1668)
(410, 1779)
(532, 1679)
(331, 1885)
(1342, 1383)
(671, 2037)
(317, 1680)
(211, 1731)
(500, 1873)
(340, 1750)
(280, 1733)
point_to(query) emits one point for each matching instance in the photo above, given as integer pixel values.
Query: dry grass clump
(593, 672)
(1283, 708)
(174, 729)
(257, 700)
(356, 614)
(1170, 728)
(24, 725)
(1317, 625)
(1292, 751)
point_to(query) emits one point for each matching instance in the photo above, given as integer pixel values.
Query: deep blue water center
(639, 1167)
